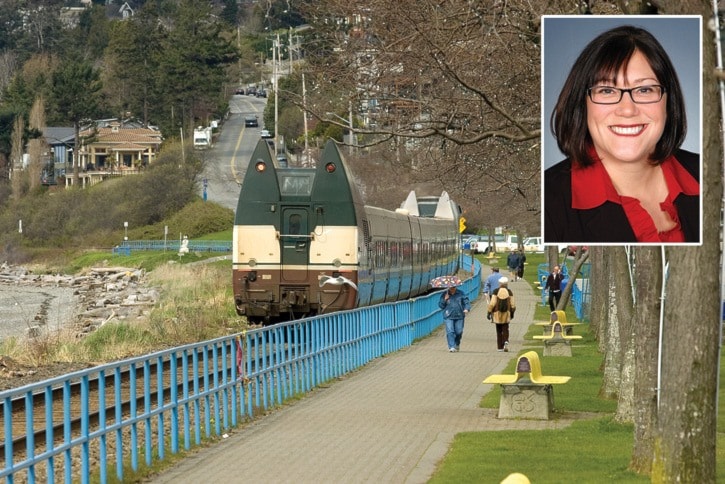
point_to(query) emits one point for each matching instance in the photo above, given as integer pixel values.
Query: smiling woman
(620, 120)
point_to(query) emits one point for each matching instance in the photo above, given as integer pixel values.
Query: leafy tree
(133, 58)
(192, 68)
(91, 35)
(11, 23)
(76, 97)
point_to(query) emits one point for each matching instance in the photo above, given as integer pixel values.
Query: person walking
(455, 306)
(491, 282)
(502, 307)
(522, 263)
(512, 262)
(553, 284)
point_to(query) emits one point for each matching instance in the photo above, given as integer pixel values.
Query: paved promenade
(390, 422)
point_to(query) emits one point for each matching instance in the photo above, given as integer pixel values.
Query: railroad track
(87, 400)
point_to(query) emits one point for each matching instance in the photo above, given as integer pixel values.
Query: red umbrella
(446, 281)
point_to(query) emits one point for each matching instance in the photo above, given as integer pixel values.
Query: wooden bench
(527, 393)
(557, 342)
(559, 316)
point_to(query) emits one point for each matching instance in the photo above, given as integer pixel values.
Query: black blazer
(608, 222)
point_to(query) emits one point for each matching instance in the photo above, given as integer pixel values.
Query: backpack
(502, 305)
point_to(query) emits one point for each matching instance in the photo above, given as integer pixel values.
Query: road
(226, 163)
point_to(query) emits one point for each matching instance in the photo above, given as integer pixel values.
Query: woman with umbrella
(455, 306)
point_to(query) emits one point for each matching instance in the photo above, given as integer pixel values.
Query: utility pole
(304, 113)
(351, 133)
(275, 60)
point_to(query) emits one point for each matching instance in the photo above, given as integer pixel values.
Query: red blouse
(591, 186)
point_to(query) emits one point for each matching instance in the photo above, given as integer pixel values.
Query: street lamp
(125, 231)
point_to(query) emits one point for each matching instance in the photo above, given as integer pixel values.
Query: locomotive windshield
(298, 184)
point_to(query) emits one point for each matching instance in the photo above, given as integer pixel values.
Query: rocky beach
(32, 305)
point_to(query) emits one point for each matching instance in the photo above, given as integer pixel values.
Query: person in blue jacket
(455, 306)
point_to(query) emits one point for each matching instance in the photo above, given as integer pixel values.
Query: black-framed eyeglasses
(639, 94)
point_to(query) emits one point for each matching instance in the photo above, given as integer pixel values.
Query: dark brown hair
(602, 59)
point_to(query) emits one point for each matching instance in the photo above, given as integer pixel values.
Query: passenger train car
(304, 243)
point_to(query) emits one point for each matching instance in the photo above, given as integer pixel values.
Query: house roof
(59, 135)
(143, 136)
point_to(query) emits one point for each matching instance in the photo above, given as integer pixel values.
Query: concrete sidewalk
(392, 421)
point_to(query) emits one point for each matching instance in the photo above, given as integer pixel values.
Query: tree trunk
(646, 348)
(687, 415)
(76, 154)
(579, 259)
(552, 257)
(621, 268)
(613, 354)
(599, 284)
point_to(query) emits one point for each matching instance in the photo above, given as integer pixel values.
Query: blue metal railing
(580, 293)
(128, 246)
(187, 394)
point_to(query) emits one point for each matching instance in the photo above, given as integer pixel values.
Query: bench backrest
(528, 370)
(558, 315)
(528, 366)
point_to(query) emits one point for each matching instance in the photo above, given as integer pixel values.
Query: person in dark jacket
(455, 306)
(620, 120)
(553, 284)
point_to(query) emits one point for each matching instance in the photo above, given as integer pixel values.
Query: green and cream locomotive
(304, 243)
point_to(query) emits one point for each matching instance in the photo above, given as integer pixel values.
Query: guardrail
(128, 246)
(138, 410)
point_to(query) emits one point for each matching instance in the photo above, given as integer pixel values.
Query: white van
(504, 243)
(533, 244)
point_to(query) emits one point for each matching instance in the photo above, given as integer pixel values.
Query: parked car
(261, 93)
(251, 90)
(470, 241)
(239, 90)
(265, 134)
(282, 160)
(533, 244)
(503, 242)
(251, 121)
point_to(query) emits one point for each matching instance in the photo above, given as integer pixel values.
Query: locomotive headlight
(337, 262)
(252, 276)
(260, 166)
(252, 262)
(330, 168)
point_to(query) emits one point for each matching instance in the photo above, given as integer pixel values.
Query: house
(126, 11)
(60, 141)
(113, 146)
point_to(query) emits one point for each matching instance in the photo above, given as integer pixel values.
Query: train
(305, 244)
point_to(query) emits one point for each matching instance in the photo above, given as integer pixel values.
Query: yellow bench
(527, 393)
(557, 342)
(559, 316)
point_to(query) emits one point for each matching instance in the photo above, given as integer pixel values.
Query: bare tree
(686, 441)
(16, 158)
(645, 344)
(439, 81)
(37, 147)
(599, 284)
(619, 309)
(8, 66)
(580, 257)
